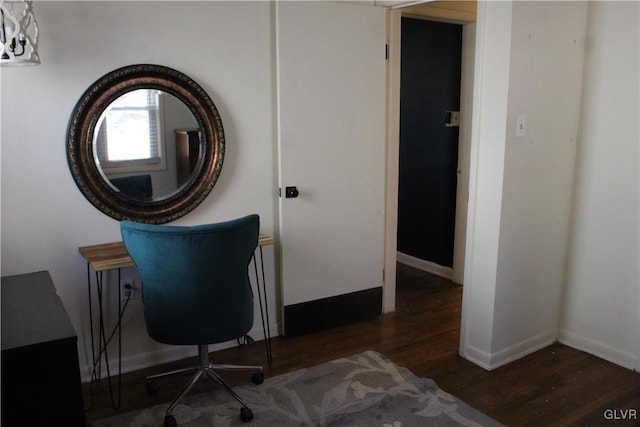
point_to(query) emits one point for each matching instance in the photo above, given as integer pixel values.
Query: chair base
(208, 370)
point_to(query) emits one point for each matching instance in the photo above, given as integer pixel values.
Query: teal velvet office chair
(196, 291)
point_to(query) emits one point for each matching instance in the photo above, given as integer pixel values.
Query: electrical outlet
(127, 289)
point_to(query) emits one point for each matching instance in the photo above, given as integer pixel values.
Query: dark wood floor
(554, 386)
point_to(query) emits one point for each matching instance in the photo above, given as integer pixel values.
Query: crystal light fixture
(18, 34)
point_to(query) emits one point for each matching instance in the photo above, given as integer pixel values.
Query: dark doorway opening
(429, 93)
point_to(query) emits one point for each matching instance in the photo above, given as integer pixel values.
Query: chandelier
(18, 33)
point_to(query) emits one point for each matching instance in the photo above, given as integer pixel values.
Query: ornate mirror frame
(80, 147)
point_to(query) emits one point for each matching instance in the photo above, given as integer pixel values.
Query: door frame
(394, 23)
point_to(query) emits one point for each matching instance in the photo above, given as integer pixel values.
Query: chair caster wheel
(152, 388)
(246, 414)
(169, 421)
(257, 378)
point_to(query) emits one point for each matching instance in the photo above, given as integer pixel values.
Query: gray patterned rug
(362, 390)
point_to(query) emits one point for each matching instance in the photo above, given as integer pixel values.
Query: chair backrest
(195, 283)
(135, 186)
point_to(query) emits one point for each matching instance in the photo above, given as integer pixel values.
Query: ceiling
(446, 10)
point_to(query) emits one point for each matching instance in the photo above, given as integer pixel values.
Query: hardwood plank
(106, 256)
(556, 386)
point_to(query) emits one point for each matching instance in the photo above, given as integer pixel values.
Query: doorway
(464, 14)
(429, 134)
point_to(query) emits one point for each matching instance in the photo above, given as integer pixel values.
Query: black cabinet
(187, 153)
(40, 371)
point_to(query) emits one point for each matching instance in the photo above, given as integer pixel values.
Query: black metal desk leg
(93, 352)
(103, 341)
(264, 311)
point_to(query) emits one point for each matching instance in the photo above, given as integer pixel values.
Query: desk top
(109, 256)
(32, 312)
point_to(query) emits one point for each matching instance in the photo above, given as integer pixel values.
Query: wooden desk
(114, 256)
(109, 256)
(40, 370)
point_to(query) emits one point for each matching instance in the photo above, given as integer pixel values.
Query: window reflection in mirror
(130, 130)
(135, 143)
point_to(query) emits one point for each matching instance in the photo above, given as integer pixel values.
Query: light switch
(521, 125)
(452, 119)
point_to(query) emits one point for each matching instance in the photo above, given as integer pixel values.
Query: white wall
(554, 219)
(530, 62)
(547, 50)
(224, 46)
(486, 169)
(601, 311)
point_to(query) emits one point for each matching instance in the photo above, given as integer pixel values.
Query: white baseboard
(428, 266)
(523, 348)
(491, 361)
(477, 357)
(171, 353)
(599, 349)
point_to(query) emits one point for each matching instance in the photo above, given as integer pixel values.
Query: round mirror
(145, 143)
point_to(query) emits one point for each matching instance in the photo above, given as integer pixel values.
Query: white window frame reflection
(135, 145)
